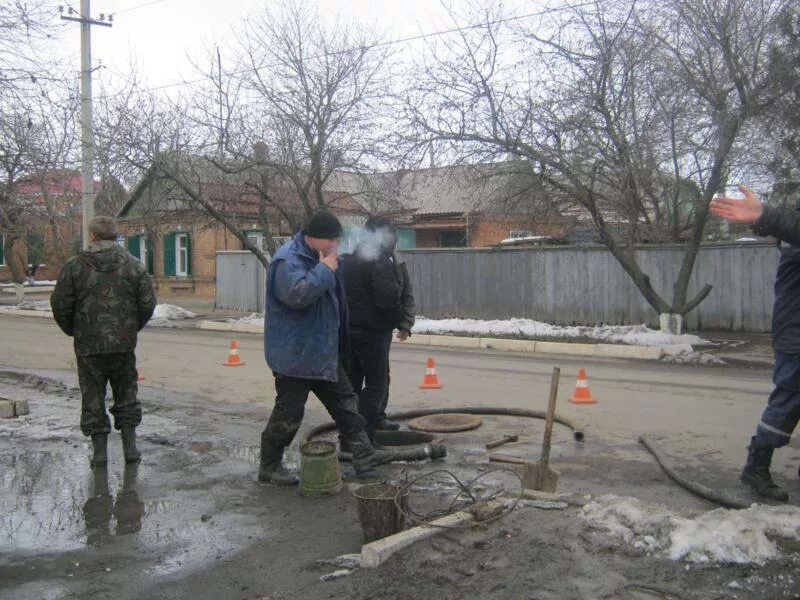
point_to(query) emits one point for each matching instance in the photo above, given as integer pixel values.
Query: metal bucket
(378, 512)
(320, 474)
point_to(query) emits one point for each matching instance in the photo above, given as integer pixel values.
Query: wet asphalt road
(191, 521)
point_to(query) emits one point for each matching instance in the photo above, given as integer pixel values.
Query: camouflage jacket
(103, 297)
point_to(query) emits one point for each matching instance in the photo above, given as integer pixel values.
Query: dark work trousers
(95, 371)
(385, 402)
(337, 397)
(782, 413)
(368, 370)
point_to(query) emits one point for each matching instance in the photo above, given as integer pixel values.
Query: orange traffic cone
(431, 379)
(582, 394)
(234, 360)
(139, 376)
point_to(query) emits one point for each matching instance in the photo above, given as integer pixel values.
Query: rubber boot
(271, 469)
(344, 446)
(99, 458)
(756, 473)
(387, 425)
(365, 456)
(132, 454)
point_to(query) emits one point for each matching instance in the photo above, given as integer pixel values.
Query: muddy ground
(192, 521)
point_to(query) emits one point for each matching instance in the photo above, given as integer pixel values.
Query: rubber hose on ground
(692, 486)
(428, 451)
(577, 433)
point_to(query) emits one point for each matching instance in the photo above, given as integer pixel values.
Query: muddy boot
(99, 458)
(756, 474)
(365, 456)
(387, 425)
(344, 447)
(271, 469)
(129, 449)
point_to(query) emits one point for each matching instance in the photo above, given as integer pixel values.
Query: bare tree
(631, 111)
(784, 161)
(317, 95)
(36, 126)
(262, 138)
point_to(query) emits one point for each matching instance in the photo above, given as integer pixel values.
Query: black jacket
(374, 292)
(781, 223)
(786, 311)
(406, 297)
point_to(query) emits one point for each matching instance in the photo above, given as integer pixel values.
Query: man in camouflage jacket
(102, 299)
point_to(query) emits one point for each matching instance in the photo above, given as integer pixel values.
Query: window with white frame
(144, 250)
(182, 254)
(256, 237)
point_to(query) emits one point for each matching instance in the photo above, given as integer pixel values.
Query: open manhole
(446, 422)
(402, 438)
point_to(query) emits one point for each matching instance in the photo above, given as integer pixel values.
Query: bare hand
(331, 261)
(748, 210)
(403, 334)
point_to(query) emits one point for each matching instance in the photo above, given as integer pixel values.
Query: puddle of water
(53, 501)
(41, 500)
(43, 590)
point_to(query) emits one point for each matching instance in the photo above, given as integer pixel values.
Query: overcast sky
(161, 36)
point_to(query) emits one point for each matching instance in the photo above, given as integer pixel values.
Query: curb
(22, 312)
(477, 343)
(452, 341)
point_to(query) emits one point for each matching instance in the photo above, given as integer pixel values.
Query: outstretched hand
(748, 210)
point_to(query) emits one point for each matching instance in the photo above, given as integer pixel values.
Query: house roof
(234, 190)
(507, 187)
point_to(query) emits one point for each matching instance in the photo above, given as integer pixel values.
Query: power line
(376, 45)
(132, 8)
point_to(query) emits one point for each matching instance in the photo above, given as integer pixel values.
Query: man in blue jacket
(781, 415)
(306, 325)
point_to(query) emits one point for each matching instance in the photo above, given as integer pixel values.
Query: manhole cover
(446, 422)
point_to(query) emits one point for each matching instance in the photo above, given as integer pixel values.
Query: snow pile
(38, 305)
(639, 335)
(165, 315)
(37, 283)
(692, 358)
(719, 536)
(251, 319)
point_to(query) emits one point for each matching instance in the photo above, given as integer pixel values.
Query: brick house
(178, 241)
(461, 206)
(51, 229)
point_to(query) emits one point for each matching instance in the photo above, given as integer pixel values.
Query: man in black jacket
(403, 333)
(374, 296)
(781, 415)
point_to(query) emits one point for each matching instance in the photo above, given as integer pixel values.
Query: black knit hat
(379, 222)
(323, 225)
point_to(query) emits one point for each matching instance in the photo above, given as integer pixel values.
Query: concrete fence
(563, 285)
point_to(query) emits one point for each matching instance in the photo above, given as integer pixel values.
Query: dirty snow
(718, 536)
(168, 315)
(251, 319)
(37, 283)
(639, 335)
(692, 358)
(165, 315)
(38, 305)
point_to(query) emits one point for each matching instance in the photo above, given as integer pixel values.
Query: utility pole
(87, 133)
